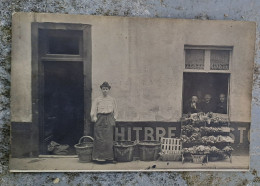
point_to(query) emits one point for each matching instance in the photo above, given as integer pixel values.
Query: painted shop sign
(150, 131)
(146, 131)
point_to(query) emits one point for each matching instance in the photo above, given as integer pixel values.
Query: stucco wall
(143, 59)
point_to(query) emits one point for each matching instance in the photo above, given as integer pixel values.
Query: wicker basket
(84, 149)
(149, 150)
(123, 151)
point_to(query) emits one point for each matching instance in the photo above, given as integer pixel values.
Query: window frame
(51, 32)
(207, 68)
(207, 52)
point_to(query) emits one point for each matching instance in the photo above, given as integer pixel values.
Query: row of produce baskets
(148, 150)
(123, 150)
(168, 149)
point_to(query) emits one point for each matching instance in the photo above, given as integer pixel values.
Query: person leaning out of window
(192, 106)
(208, 105)
(222, 104)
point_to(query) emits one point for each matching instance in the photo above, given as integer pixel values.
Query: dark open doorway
(63, 102)
(200, 84)
(61, 84)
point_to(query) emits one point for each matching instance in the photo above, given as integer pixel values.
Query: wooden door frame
(38, 81)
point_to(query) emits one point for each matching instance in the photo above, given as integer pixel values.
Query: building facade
(153, 65)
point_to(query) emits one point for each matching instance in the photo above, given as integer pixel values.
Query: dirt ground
(67, 164)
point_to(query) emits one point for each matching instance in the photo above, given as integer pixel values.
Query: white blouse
(103, 105)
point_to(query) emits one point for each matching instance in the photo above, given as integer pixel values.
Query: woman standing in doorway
(104, 114)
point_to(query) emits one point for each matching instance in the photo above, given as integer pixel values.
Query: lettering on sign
(144, 133)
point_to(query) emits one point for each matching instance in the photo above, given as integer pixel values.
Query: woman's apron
(103, 137)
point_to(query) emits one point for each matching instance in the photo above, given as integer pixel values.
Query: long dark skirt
(103, 137)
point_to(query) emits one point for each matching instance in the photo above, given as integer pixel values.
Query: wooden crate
(171, 149)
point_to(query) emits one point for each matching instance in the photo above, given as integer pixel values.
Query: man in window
(192, 106)
(208, 104)
(222, 104)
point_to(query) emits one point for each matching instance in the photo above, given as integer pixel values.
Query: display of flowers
(206, 133)
(188, 129)
(210, 129)
(225, 139)
(217, 139)
(192, 117)
(214, 129)
(195, 137)
(209, 139)
(209, 118)
(185, 139)
(228, 149)
(186, 120)
(195, 117)
(215, 150)
(188, 150)
(202, 149)
(199, 149)
(219, 120)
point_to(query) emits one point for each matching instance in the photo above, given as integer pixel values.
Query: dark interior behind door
(63, 102)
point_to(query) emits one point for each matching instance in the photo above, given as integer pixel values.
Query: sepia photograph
(108, 93)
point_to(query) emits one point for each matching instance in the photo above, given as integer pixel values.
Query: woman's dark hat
(105, 84)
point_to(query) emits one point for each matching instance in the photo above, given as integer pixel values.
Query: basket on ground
(149, 150)
(123, 151)
(171, 149)
(84, 149)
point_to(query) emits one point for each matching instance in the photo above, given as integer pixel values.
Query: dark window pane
(63, 45)
(60, 42)
(194, 59)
